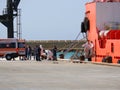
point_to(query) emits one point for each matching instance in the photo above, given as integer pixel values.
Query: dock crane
(8, 16)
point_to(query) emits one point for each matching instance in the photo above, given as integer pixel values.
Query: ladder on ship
(18, 28)
(72, 45)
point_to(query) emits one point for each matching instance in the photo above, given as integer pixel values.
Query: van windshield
(21, 45)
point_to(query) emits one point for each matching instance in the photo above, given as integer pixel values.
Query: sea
(67, 55)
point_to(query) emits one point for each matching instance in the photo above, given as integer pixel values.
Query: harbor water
(67, 55)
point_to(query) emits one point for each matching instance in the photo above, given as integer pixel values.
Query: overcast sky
(49, 19)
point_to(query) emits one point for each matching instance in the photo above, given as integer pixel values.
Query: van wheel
(8, 57)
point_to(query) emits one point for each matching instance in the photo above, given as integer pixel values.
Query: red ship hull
(104, 29)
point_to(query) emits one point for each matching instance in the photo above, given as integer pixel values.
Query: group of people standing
(39, 53)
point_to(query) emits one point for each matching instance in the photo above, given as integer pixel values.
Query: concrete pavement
(49, 75)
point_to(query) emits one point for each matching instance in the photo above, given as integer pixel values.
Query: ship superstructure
(102, 26)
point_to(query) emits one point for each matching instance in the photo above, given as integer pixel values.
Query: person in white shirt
(88, 49)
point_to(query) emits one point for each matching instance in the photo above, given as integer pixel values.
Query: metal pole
(10, 31)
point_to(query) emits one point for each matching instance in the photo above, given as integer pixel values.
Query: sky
(49, 19)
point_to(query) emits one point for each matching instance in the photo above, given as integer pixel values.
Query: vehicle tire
(8, 57)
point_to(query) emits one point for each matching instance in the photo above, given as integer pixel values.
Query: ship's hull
(104, 30)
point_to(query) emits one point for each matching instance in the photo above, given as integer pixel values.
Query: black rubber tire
(118, 61)
(8, 57)
(86, 24)
(83, 27)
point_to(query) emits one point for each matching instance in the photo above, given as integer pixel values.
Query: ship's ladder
(74, 43)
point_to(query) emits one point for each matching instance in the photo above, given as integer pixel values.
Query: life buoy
(83, 27)
(86, 23)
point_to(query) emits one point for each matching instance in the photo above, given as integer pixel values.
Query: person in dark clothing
(25, 52)
(54, 53)
(37, 51)
(29, 52)
(34, 53)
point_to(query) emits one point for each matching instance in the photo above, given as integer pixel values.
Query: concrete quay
(57, 75)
